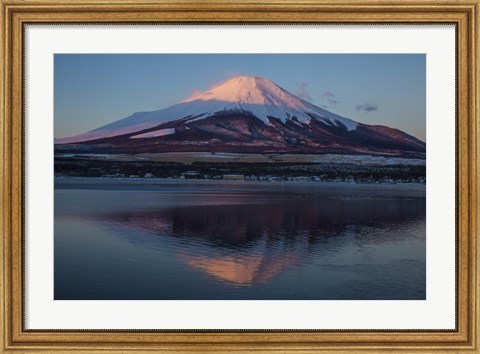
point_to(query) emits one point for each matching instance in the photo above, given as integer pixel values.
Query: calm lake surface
(192, 239)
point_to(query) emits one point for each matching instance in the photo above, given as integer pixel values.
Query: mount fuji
(249, 115)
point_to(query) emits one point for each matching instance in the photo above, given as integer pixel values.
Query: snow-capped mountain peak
(264, 99)
(256, 96)
(247, 114)
(247, 89)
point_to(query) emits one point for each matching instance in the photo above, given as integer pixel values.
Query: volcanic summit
(250, 115)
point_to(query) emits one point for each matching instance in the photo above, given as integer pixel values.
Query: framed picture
(191, 177)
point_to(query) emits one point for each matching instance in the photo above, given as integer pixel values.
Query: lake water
(192, 239)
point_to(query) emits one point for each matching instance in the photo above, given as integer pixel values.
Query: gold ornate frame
(465, 14)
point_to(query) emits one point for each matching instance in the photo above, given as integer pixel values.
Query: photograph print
(239, 177)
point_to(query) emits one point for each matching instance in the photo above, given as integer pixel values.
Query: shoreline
(273, 158)
(163, 181)
(273, 168)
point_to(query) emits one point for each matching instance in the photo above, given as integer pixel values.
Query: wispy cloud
(367, 107)
(196, 92)
(329, 97)
(303, 92)
(229, 74)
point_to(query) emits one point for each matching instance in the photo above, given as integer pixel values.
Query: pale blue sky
(93, 90)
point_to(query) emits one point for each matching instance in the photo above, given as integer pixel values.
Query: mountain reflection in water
(241, 242)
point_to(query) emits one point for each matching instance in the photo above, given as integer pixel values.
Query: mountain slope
(248, 114)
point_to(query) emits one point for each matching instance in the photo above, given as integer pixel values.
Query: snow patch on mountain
(106, 133)
(154, 133)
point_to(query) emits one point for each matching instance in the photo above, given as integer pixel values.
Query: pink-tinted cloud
(196, 92)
